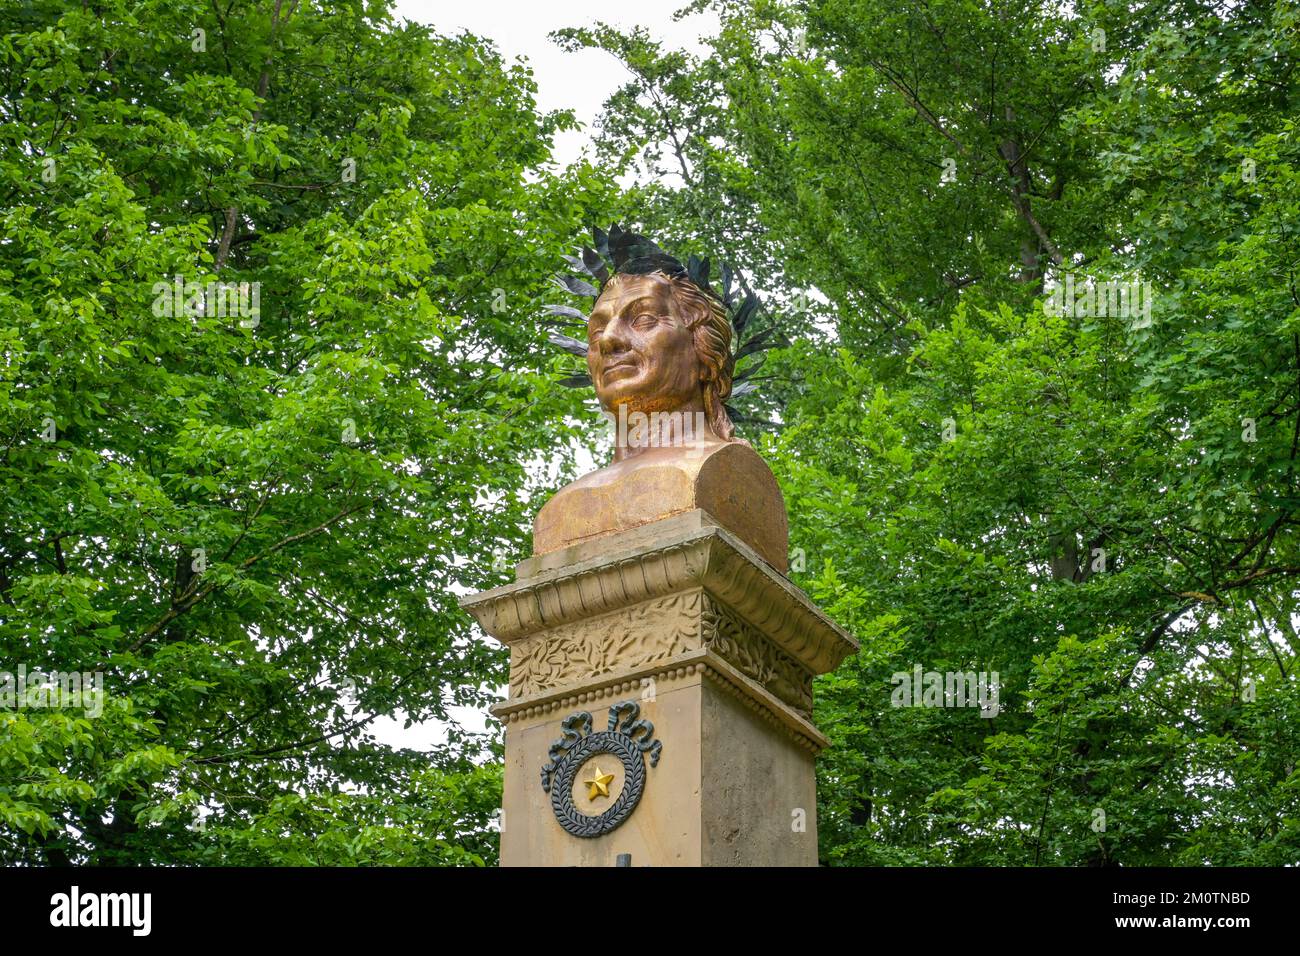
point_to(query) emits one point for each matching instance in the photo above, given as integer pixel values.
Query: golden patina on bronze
(659, 354)
(598, 785)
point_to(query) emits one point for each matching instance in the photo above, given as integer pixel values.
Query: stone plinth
(716, 650)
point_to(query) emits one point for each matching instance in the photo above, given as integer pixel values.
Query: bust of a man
(659, 354)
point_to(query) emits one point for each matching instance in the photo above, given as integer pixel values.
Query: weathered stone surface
(731, 788)
(684, 553)
(719, 651)
(654, 632)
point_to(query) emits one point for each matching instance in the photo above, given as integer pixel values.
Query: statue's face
(639, 350)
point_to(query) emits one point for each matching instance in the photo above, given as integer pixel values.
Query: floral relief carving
(532, 609)
(757, 658)
(643, 634)
(649, 633)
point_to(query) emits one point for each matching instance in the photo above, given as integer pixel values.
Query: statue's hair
(710, 327)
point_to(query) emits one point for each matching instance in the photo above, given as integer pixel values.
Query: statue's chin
(647, 408)
(633, 395)
(641, 401)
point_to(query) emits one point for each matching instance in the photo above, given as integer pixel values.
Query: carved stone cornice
(706, 664)
(758, 658)
(683, 555)
(650, 633)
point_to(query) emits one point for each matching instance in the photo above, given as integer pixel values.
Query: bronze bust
(659, 355)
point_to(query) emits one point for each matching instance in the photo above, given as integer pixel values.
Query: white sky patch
(579, 81)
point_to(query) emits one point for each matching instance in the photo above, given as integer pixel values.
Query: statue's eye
(645, 319)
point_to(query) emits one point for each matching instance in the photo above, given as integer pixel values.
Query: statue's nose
(613, 339)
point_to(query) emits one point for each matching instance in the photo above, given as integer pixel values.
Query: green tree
(1100, 508)
(255, 525)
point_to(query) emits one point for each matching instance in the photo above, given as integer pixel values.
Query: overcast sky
(579, 81)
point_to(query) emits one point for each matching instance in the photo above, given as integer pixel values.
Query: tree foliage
(1101, 509)
(255, 526)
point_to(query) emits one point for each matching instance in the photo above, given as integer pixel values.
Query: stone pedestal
(661, 682)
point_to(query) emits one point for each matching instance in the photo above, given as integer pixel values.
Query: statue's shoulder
(728, 480)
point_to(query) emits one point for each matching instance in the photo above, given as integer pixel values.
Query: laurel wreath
(593, 745)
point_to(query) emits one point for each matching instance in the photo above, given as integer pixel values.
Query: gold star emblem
(598, 786)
